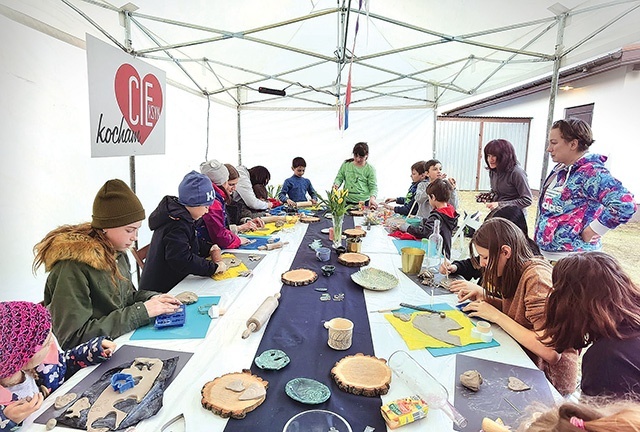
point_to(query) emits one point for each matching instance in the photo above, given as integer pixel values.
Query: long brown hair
(618, 416)
(492, 235)
(603, 302)
(43, 248)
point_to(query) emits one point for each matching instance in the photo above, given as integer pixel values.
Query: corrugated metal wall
(460, 143)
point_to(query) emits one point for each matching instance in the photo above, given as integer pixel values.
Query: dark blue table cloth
(296, 328)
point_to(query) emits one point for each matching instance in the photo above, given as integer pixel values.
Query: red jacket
(216, 222)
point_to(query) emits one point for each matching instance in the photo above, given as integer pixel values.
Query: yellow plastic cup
(412, 260)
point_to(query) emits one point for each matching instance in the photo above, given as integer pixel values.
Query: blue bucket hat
(195, 190)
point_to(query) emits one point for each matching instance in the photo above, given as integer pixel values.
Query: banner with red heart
(140, 100)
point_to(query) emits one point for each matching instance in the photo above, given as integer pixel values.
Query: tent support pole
(435, 120)
(553, 92)
(128, 44)
(238, 126)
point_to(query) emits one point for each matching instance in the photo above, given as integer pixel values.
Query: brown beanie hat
(116, 205)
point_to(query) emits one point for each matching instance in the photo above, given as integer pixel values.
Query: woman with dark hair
(509, 184)
(359, 177)
(260, 177)
(515, 285)
(604, 306)
(580, 200)
(247, 205)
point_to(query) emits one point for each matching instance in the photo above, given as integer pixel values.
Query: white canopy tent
(411, 58)
(405, 54)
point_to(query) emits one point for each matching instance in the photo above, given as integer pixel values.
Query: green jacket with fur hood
(81, 295)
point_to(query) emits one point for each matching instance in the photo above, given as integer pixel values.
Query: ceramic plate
(375, 279)
(325, 230)
(273, 359)
(307, 391)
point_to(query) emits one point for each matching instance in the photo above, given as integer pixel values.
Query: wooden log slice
(362, 375)
(222, 396)
(355, 232)
(309, 219)
(353, 259)
(299, 277)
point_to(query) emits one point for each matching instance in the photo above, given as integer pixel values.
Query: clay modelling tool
(385, 310)
(261, 315)
(424, 309)
(272, 246)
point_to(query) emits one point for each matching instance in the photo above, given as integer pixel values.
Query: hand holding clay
(108, 347)
(161, 304)
(222, 267)
(21, 409)
(463, 287)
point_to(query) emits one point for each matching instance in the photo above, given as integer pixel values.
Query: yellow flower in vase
(335, 201)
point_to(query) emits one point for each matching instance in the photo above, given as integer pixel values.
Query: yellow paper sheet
(269, 229)
(231, 272)
(415, 339)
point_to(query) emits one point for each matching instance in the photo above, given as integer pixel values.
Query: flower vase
(337, 230)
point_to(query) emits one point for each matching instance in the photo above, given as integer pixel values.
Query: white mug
(340, 333)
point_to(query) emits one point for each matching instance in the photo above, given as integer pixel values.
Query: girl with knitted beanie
(31, 365)
(89, 291)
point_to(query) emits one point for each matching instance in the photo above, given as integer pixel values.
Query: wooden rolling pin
(261, 315)
(269, 219)
(302, 204)
(272, 246)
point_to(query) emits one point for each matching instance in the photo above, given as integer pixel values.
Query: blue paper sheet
(399, 244)
(195, 327)
(259, 241)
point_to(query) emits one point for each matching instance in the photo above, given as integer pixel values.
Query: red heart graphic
(140, 102)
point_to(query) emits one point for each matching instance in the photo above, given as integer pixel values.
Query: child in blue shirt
(296, 187)
(31, 365)
(406, 203)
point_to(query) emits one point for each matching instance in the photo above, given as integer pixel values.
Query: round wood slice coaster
(362, 375)
(355, 232)
(353, 259)
(309, 219)
(299, 277)
(234, 394)
(356, 212)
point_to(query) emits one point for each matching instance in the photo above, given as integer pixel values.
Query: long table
(223, 350)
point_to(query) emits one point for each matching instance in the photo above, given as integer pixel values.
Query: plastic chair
(471, 221)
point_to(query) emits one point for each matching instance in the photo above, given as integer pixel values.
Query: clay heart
(140, 101)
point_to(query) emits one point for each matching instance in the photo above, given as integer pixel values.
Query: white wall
(396, 140)
(616, 121)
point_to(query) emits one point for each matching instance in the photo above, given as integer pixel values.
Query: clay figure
(187, 297)
(471, 379)
(438, 328)
(100, 408)
(517, 385)
(64, 400)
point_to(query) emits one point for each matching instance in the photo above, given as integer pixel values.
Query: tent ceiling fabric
(414, 54)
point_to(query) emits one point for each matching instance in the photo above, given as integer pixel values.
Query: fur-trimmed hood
(76, 247)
